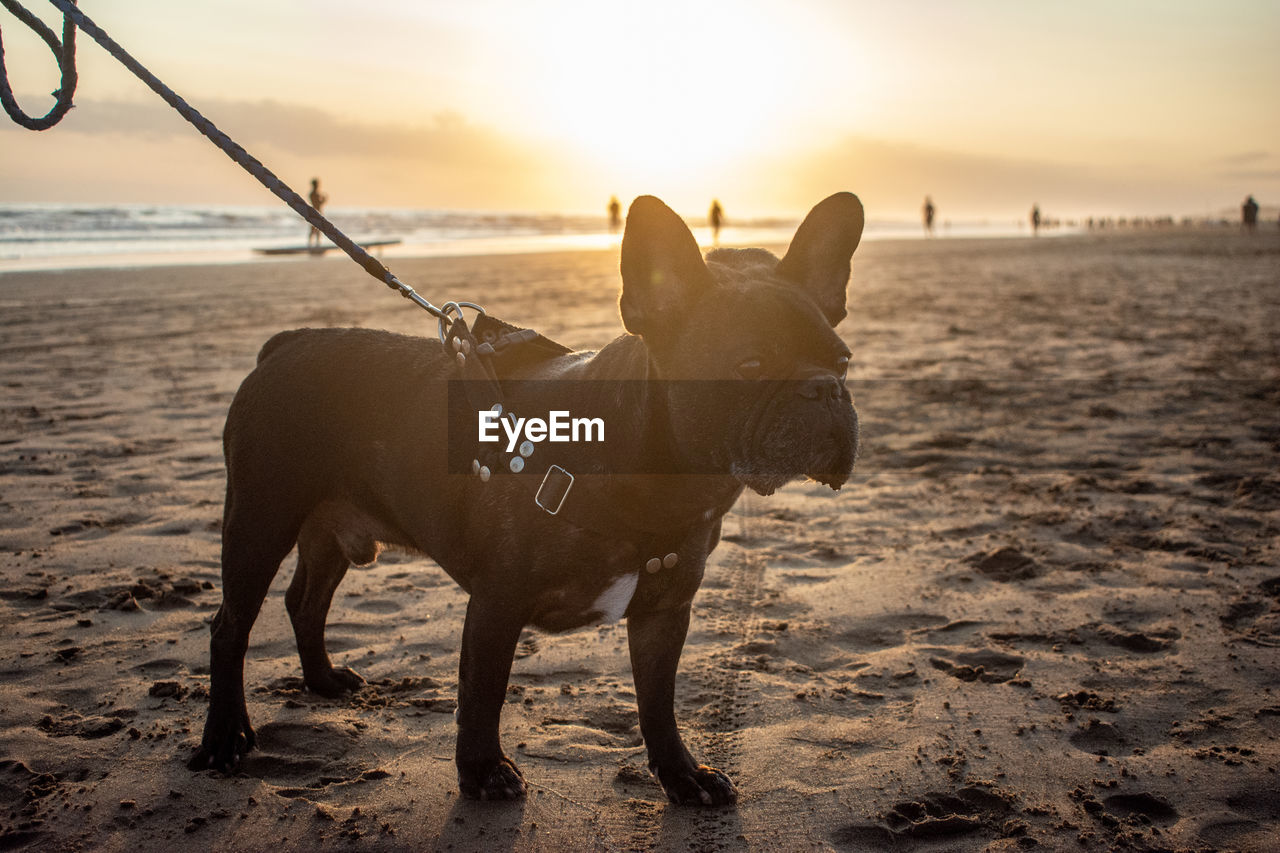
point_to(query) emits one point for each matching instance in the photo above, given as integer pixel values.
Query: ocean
(60, 236)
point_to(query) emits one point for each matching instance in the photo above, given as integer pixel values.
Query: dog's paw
(501, 781)
(334, 682)
(697, 786)
(226, 738)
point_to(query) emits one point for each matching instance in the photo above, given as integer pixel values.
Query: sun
(654, 93)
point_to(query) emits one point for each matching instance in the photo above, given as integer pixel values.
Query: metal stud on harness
(478, 350)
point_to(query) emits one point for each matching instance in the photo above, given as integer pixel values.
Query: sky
(1093, 107)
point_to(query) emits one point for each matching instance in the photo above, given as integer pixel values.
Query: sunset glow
(1096, 107)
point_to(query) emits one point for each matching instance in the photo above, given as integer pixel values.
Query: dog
(730, 376)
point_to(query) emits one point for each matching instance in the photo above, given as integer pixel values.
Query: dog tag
(516, 464)
(496, 408)
(653, 565)
(555, 487)
(526, 449)
(484, 473)
(475, 467)
(670, 560)
(462, 360)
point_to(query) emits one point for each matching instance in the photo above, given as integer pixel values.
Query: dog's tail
(276, 342)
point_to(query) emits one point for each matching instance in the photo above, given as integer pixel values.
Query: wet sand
(1044, 612)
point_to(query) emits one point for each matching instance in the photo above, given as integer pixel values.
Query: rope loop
(63, 51)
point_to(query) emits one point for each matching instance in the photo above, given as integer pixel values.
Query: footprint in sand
(1242, 610)
(19, 782)
(615, 718)
(1259, 802)
(1239, 834)
(292, 753)
(324, 740)
(378, 606)
(86, 728)
(319, 791)
(933, 816)
(1004, 565)
(984, 665)
(954, 631)
(1141, 804)
(1145, 642)
(22, 786)
(161, 666)
(887, 630)
(157, 595)
(1099, 738)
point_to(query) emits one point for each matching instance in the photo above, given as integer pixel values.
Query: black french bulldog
(337, 442)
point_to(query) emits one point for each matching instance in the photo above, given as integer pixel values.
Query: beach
(1043, 613)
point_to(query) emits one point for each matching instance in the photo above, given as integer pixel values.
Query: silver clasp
(450, 310)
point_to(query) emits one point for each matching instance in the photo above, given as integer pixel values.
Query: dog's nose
(822, 387)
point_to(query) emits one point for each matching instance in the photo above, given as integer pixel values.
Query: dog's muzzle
(807, 429)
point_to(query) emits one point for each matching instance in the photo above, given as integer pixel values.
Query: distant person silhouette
(928, 216)
(1249, 214)
(1035, 219)
(317, 200)
(615, 214)
(716, 218)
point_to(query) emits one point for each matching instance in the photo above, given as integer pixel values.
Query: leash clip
(450, 309)
(553, 490)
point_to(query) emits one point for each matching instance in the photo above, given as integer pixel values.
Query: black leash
(64, 51)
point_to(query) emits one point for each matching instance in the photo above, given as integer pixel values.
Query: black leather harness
(490, 348)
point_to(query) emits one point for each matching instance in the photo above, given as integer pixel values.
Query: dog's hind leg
(254, 541)
(331, 539)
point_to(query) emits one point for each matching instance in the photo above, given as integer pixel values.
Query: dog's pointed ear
(818, 259)
(662, 267)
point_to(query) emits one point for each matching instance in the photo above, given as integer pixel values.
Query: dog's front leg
(489, 639)
(656, 639)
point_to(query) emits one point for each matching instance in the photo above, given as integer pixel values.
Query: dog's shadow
(682, 828)
(494, 826)
(502, 826)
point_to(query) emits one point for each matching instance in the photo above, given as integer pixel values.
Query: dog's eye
(842, 366)
(749, 369)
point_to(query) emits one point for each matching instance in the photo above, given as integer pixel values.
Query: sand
(1044, 612)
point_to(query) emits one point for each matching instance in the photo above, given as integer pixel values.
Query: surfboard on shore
(321, 249)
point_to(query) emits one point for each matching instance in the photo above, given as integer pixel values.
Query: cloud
(893, 177)
(1245, 158)
(1260, 175)
(444, 160)
(306, 131)
(1253, 166)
